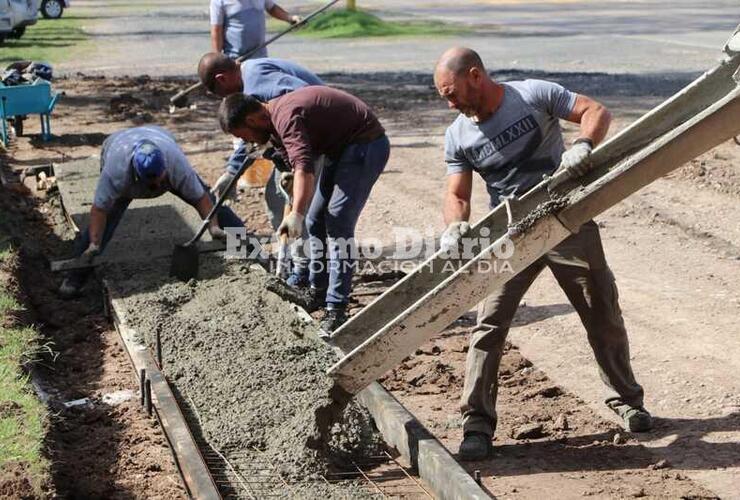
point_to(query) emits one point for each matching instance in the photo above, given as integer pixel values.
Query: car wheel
(52, 9)
(17, 33)
(2, 39)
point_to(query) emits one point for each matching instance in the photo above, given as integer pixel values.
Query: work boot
(334, 317)
(72, 286)
(315, 299)
(475, 446)
(635, 418)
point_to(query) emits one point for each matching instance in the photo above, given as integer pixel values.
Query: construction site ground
(674, 248)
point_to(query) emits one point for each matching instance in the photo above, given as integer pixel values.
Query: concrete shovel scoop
(185, 257)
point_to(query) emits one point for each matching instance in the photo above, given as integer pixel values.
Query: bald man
(509, 133)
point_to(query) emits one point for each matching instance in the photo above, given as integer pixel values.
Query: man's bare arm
(593, 117)
(217, 38)
(279, 13)
(457, 198)
(303, 187)
(98, 221)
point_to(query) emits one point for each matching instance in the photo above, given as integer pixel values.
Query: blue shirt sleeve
(237, 158)
(268, 78)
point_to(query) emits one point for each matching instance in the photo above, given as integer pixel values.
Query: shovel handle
(251, 158)
(174, 99)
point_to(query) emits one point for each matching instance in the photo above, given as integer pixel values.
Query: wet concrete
(254, 371)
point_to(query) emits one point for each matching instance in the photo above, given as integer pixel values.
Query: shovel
(283, 261)
(185, 257)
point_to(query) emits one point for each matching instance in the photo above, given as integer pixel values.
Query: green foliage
(22, 415)
(50, 40)
(356, 24)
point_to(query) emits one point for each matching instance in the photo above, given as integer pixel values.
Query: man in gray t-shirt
(509, 134)
(238, 26)
(140, 162)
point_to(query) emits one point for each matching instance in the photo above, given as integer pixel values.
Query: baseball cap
(148, 160)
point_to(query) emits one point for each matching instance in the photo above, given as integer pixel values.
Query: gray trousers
(580, 268)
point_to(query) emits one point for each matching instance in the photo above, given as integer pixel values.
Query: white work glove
(215, 230)
(295, 19)
(292, 225)
(221, 185)
(576, 160)
(90, 252)
(452, 235)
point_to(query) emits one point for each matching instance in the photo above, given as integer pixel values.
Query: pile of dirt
(254, 371)
(127, 107)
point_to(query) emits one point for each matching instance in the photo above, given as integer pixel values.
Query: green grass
(359, 24)
(50, 40)
(22, 415)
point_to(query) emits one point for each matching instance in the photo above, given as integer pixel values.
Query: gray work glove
(292, 225)
(215, 230)
(576, 160)
(90, 252)
(221, 185)
(452, 235)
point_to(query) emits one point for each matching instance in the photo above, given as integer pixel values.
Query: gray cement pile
(254, 370)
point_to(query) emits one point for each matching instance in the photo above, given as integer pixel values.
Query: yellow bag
(259, 173)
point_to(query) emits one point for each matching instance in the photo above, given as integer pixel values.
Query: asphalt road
(166, 37)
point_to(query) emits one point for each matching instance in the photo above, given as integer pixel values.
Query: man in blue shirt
(140, 162)
(265, 79)
(238, 26)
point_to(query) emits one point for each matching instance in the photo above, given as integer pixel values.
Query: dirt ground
(681, 308)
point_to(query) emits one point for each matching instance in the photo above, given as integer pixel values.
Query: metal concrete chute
(702, 115)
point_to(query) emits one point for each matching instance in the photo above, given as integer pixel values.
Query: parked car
(15, 16)
(53, 9)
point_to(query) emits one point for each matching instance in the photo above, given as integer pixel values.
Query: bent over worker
(140, 162)
(509, 134)
(265, 79)
(306, 124)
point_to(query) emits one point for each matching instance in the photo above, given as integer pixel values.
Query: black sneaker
(315, 299)
(475, 446)
(333, 319)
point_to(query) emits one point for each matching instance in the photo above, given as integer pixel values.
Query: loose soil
(687, 297)
(97, 450)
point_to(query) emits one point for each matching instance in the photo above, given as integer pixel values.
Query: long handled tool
(180, 99)
(283, 259)
(185, 257)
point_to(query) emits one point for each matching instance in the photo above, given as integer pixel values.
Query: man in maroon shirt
(306, 124)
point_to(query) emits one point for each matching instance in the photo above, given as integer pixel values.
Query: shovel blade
(184, 265)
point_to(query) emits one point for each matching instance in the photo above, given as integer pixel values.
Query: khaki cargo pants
(580, 268)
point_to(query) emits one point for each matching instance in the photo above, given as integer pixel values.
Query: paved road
(166, 37)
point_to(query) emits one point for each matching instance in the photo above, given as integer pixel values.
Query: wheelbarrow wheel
(18, 126)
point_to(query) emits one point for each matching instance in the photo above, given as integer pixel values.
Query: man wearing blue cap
(140, 162)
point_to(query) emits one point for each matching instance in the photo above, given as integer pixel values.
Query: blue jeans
(226, 218)
(342, 190)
